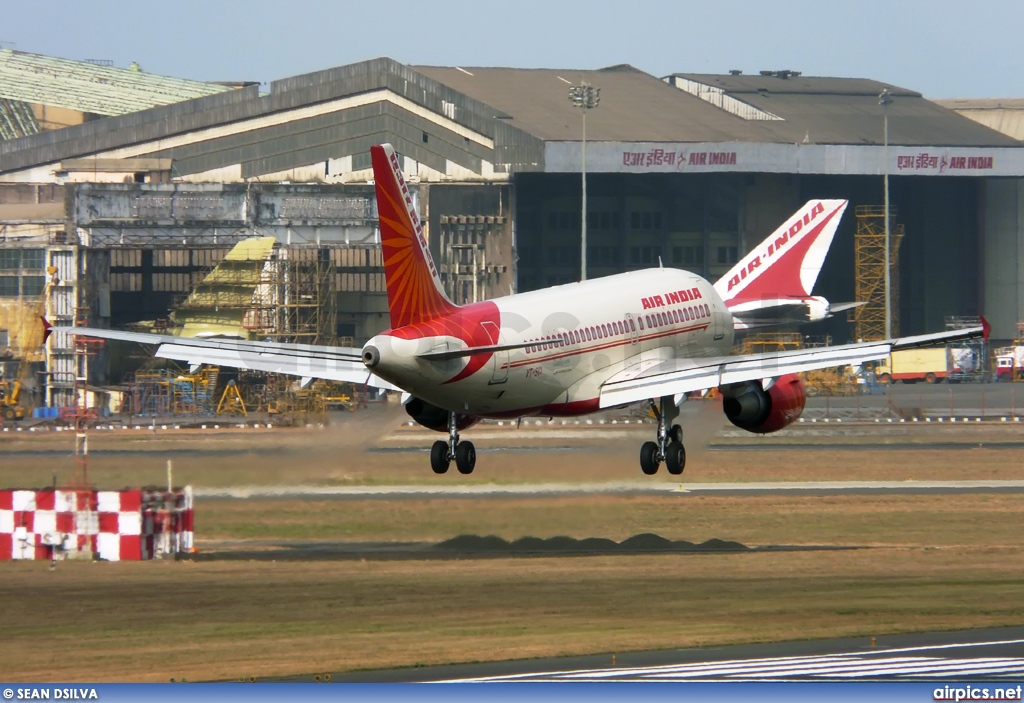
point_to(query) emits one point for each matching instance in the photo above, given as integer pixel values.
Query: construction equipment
(231, 401)
(10, 396)
(36, 330)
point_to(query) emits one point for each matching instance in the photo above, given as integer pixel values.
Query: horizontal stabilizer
(304, 360)
(839, 307)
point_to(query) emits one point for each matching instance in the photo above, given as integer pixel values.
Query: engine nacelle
(435, 418)
(751, 408)
(817, 309)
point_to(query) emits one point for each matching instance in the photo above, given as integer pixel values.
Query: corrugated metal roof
(636, 106)
(822, 110)
(88, 87)
(16, 119)
(1005, 115)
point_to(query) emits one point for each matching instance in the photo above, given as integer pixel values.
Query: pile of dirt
(646, 542)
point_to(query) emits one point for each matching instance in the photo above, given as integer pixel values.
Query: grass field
(925, 561)
(938, 562)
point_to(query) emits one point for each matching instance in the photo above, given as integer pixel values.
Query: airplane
(654, 335)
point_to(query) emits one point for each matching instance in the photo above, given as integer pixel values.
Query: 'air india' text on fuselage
(674, 298)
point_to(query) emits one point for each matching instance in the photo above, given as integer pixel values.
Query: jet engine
(435, 418)
(752, 408)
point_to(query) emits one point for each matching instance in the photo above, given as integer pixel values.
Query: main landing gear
(442, 453)
(669, 447)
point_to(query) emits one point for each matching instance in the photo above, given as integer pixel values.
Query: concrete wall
(1003, 255)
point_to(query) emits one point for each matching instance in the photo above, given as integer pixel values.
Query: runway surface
(992, 655)
(681, 489)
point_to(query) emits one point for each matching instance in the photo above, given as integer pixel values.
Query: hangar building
(692, 169)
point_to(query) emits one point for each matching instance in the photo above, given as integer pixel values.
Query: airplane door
(634, 334)
(717, 316)
(499, 372)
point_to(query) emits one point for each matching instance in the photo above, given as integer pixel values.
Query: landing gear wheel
(439, 460)
(649, 458)
(676, 434)
(675, 458)
(465, 457)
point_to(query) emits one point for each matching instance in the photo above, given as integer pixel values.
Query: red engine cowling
(435, 418)
(751, 408)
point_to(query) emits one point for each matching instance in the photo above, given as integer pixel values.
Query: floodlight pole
(585, 97)
(884, 99)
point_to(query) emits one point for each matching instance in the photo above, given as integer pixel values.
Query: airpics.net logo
(977, 693)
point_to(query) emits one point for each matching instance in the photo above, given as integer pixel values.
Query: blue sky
(942, 48)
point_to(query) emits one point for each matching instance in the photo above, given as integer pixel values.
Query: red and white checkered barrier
(111, 525)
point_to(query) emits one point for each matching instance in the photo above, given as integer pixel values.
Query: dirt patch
(638, 544)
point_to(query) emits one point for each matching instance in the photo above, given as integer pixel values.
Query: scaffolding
(169, 392)
(967, 359)
(869, 258)
(286, 297)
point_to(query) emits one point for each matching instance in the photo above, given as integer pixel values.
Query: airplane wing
(305, 360)
(655, 378)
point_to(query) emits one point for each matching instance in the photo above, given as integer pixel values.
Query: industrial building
(689, 170)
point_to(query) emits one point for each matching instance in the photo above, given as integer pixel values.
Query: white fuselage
(584, 333)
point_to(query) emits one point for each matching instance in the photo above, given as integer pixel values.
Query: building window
(10, 259)
(4, 338)
(33, 259)
(9, 286)
(32, 286)
(728, 255)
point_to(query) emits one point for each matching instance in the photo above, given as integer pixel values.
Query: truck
(913, 365)
(1009, 363)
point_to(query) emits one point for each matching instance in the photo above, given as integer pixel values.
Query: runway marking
(882, 663)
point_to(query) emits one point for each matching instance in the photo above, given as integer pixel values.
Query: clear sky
(942, 48)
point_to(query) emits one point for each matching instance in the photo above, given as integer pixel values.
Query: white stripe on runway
(841, 665)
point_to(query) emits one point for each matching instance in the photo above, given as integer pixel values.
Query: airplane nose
(371, 356)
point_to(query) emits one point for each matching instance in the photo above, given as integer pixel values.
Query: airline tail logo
(414, 288)
(787, 263)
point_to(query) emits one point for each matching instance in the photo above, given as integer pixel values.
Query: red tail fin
(414, 288)
(787, 263)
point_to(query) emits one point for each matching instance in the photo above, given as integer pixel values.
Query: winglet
(414, 288)
(47, 328)
(986, 329)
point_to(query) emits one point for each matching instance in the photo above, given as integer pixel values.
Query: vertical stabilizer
(414, 288)
(787, 263)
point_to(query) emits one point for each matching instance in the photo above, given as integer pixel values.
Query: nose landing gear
(442, 453)
(669, 445)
